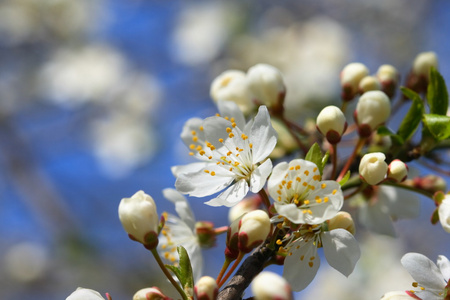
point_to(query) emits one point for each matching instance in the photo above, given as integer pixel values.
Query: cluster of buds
(246, 233)
(262, 85)
(139, 219)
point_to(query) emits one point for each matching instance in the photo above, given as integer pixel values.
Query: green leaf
(315, 155)
(395, 138)
(186, 275)
(437, 94)
(345, 179)
(438, 126)
(412, 119)
(175, 271)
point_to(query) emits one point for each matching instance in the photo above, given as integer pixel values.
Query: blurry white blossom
(26, 261)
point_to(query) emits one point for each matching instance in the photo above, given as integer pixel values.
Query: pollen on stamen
(193, 132)
(316, 177)
(326, 199)
(305, 184)
(220, 140)
(191, 153)
(311, 264)
(233, 124)
(201, 128)
(279, 242)
(199, 147)
(213, 173)
(206, 171)
(228, 129)
(250, 145)
(201, 152)
(306, 172)
(302, 257)
(195, 138)
(323, 185)
(334, 192)
(291, 168)
(298, 179)
(244, 137)
(415, 284)
(230, 135)
(192, 146)
(297, 167)
(279, 198)
(315, 169)
(280, 225)
(217, 115)
(306, 202)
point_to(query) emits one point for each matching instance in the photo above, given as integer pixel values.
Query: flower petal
(400, 203)
(193, 167)
(201, 184)
(301, 266)
(444, 265)
(291, 212)
(259, 176)
(232, 195)
(375, 219)
(182, 207)
(341, 250)
(231, 109)
(424, 271)
(263, 136)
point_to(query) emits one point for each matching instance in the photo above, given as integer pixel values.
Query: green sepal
(345, 178)
(435, 216)
(315, 156)
(412, 119)
(437, 125)
(437, 95)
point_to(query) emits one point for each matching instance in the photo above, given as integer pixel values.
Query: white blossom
(423, 63)
(233, 154)
(301, 196)
(180, 231)
(373, 168)
(350, 76)
(271, 286)
(431, 279)
(267, 84)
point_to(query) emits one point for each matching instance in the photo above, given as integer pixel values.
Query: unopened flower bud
(206, 289)
(231, 249)
(205, 234)
(373, 168)
(444, 213)
(389, 78)
(397, 295)
(372, 110)
(152, 293)
(331, 123)
(397, 171)
(430, 183)
(423, 63)
(140, 219)
(85, 294)
(350, 76)
(232, 85)
(369, 83)
(267, 85)
(247, 205)
(271, 286)
(253, 230)
(342, 220)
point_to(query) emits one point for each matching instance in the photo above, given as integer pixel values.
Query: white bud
(444, 213)
(267, 84)
(372, 110)
(139, 218)
(206, 288)
(397, 295)
(232, 85)
(342, 220)
(85, 294)
(152, 293)
(331, 123)
(373, 168)
(248, 204)
(271, 286)
(387, 73)
(397, 170)
(254, 228)
(351, 75)
(369, 83)
(423, 63)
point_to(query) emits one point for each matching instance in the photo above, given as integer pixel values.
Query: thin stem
(262, 193)
(274, 238)
(168, 275)
(352, 157)
(409, 188)
(233, 267)
(334, 161)
(225, 266)
(220, 230)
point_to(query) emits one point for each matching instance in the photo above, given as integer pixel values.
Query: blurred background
(93, 97)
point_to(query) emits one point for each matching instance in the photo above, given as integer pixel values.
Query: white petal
(275, 179)
(194, 167)
(325, 210)
(196, 257)
(201, 184)
(290, 211)
(423, 270)
(262, 136)
(232, 195)
(376, 220)
(297, 271)
(231, 109)
(444, 213)
(341, 250)
(215, 128)
(259, 176)
(181, 206)
(400, 203)
(444, 265)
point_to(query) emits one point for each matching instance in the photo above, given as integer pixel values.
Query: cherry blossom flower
(301, 196)
(302, 261)
(384, 204)
(444, 213)
(233, 154)
(85, 294)
(431, 280)
(180, 231)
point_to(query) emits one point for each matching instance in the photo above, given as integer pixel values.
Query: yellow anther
(166, 255)
(227, 118)
(296, 201)
(233, 124)
(231, 169)
(415, 284)
(280, 225)
(228, 129)
(201, 152)
(316, 177)
(298, 179)
(164, 246)
(312, 187)
(250, 145)
(297, 167)
(334, 192)
(206, 171)
(199, 147)
(315, 169)
(236, 163)
(302, 257)
(191, 153)
(306, 202)
(279, 199)
(289, 184)
(229, 153)
(201, 128)
(312, 258)
(221, 140)
(279, 242)
(304, 211)
(311, 264)
(193, 132)
(209, 157)
(244, 137)
(291, 168)
(283, 182)
(306, 172)
(217, 115)
(279, 192)
(232, 119)
(323, 185)
(192, 146)
(305, 183)
(195, 138)
(230, 135)
(213, 173)
(326, 199)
